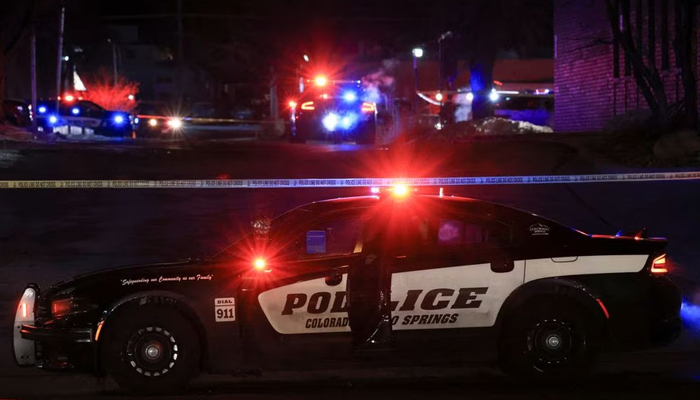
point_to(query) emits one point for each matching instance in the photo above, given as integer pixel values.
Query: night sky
(259, 33)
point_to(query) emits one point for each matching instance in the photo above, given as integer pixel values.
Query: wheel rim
(551, 342)
(152, 351)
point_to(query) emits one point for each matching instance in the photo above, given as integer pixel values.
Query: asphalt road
(50, 235)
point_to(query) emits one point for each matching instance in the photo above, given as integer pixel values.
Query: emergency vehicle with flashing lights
(469, 280)
(333, 110)
(157, 119)
(75, 115)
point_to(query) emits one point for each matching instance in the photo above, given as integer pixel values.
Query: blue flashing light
(53, 119)
(42, 109)
(75, 111)
(330, 121)
(350, 96)
(118, 119)
(690, 314)
(348, 121)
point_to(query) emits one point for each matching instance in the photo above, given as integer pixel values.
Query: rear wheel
(553, 338)
(151, 349)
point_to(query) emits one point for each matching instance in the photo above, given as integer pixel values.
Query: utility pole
(441, 74)
(114, 62)
(180, 55)
(32, 75)
(59, 60)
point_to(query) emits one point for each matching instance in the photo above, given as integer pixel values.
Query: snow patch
(8, 158)
(463, 131)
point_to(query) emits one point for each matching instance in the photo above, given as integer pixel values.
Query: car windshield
(467, 198)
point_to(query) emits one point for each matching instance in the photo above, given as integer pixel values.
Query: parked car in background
(17, 112)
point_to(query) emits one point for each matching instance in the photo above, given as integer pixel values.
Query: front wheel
(151, 349)
(551, 338)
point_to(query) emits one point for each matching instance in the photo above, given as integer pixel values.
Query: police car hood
(119, 272)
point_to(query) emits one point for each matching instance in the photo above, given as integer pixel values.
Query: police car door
(299, 308)
(452, 274)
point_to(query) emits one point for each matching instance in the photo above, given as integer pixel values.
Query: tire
(555, 337)
(151, 349)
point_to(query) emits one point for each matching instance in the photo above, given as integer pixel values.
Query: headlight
(70, 306)
(175, 123)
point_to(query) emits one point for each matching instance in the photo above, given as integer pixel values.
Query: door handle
(334, 280)
(502, 266)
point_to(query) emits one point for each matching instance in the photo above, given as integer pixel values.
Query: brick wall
(587, 93)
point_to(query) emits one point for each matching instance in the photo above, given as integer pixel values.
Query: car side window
(334, 237)
(453, 231)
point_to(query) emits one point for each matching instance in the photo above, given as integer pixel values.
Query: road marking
(347, 182)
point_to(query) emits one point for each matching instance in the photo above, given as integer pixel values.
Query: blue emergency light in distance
(350, 96)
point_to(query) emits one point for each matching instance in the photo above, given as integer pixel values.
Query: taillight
(368, 107)
(309, 105)
(658, 266)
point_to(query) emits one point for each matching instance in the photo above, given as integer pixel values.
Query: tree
(645, 73)
(15, 18)
(102, 91)
(686, 49)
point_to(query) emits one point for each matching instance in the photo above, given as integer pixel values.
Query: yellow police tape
(347, 182)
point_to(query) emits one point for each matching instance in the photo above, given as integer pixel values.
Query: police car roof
(482, 207)
(368, 201)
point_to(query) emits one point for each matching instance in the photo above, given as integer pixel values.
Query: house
(593, 79)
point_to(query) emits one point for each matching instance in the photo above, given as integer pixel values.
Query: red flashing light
(292, 104)
(400, 190)
(69, 98)
(259, 264)
(309, 105)
(658, 266)
(321, 81)
(368, 107)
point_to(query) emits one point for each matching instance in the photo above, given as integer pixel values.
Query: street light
(417, 53)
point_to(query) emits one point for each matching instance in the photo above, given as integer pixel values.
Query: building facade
(593, 79)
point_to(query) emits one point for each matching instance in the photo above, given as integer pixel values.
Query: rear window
(455, 231)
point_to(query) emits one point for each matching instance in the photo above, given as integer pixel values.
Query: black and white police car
(426, 278)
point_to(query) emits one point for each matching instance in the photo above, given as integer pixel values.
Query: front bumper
(41, 334)
(59, 345)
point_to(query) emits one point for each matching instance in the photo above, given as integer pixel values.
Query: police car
(75, 116)
(420, 279)
(333, 110)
